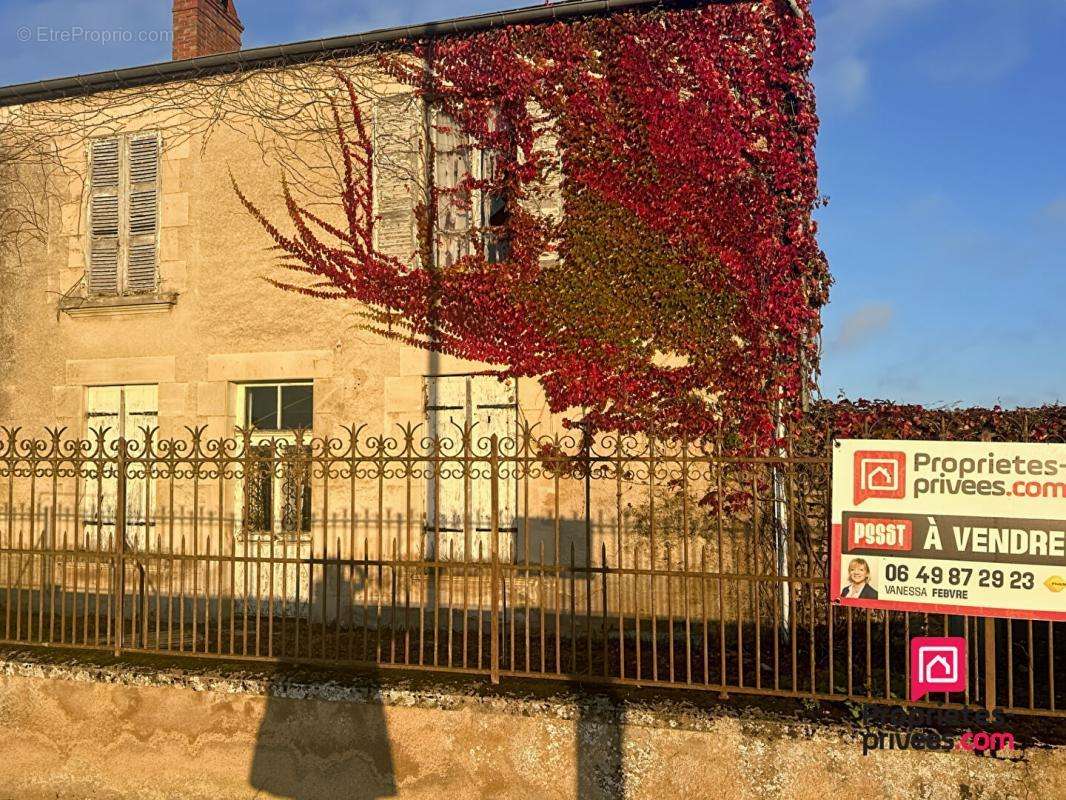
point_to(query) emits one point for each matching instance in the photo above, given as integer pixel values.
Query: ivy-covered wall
(679, 292)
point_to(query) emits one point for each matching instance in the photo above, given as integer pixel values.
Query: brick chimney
(205, 27)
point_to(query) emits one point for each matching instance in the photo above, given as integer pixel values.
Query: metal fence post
(990, 663)
(586, 456)
(120, 543)
(494, 548)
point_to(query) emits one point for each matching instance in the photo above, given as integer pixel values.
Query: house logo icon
(880, 473)
(938, 664)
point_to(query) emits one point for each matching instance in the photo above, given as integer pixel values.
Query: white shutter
(104, 216)
(103, 266)
(144, 159)
(105, 164)
(446, 414)
(140, 411)
(141, 276)
(548, 201)
(495, 411)
(143, 212)
(141, 272)
(103, 406)
(452, 165)
(104, 211)
(397, 179)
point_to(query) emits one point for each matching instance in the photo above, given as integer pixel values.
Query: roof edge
(80, 85)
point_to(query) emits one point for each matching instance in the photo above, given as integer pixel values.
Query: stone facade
(202, 734)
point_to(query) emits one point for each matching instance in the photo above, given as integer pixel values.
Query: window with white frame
(277, 489)
(123, 222)
(113, 413)
(459, 505)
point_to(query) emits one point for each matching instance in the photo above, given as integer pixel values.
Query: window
(399, 185)
(115, 412)
(279, 407)
(459, 518)
(460, 214)
(124, 214)
(277, 491)
(495, 214)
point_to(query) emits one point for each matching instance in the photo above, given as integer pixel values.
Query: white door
(119, 412)
(459, 520)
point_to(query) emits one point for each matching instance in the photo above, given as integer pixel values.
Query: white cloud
(985, 40)
(1055, 211)
(847, 79)
(862, 325)
(846, 30)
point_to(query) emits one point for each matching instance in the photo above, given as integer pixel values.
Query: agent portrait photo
(858, 585)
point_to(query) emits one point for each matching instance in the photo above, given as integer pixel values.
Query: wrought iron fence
(619, 559)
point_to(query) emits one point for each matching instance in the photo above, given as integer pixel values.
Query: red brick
(205, 27)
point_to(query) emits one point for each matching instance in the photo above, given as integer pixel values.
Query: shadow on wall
(324, 750)
(327, 750)
(600, 745)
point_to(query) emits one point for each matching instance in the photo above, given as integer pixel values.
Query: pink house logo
(938, 664)
(880, 473)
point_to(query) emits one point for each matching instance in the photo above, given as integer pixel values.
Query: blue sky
(942, 153)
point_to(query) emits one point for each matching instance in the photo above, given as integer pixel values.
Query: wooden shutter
(140, 411)
(119, 411)
(494, 410)
(446, 415)
(141, 272)
(548, 200)
(103, 405)
(104, 216)
(397, 180)
(452, 165)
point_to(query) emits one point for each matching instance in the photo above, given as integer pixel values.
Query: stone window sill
(118, 304)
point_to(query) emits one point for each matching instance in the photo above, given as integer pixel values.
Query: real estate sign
(951, 527)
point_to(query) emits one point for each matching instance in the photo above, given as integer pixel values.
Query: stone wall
(77, 730)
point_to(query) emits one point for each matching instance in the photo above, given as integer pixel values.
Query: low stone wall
(81, 729)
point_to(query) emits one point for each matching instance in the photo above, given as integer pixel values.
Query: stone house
(142, 301)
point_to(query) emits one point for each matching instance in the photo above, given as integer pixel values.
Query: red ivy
(883, 419)
(693, 129)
